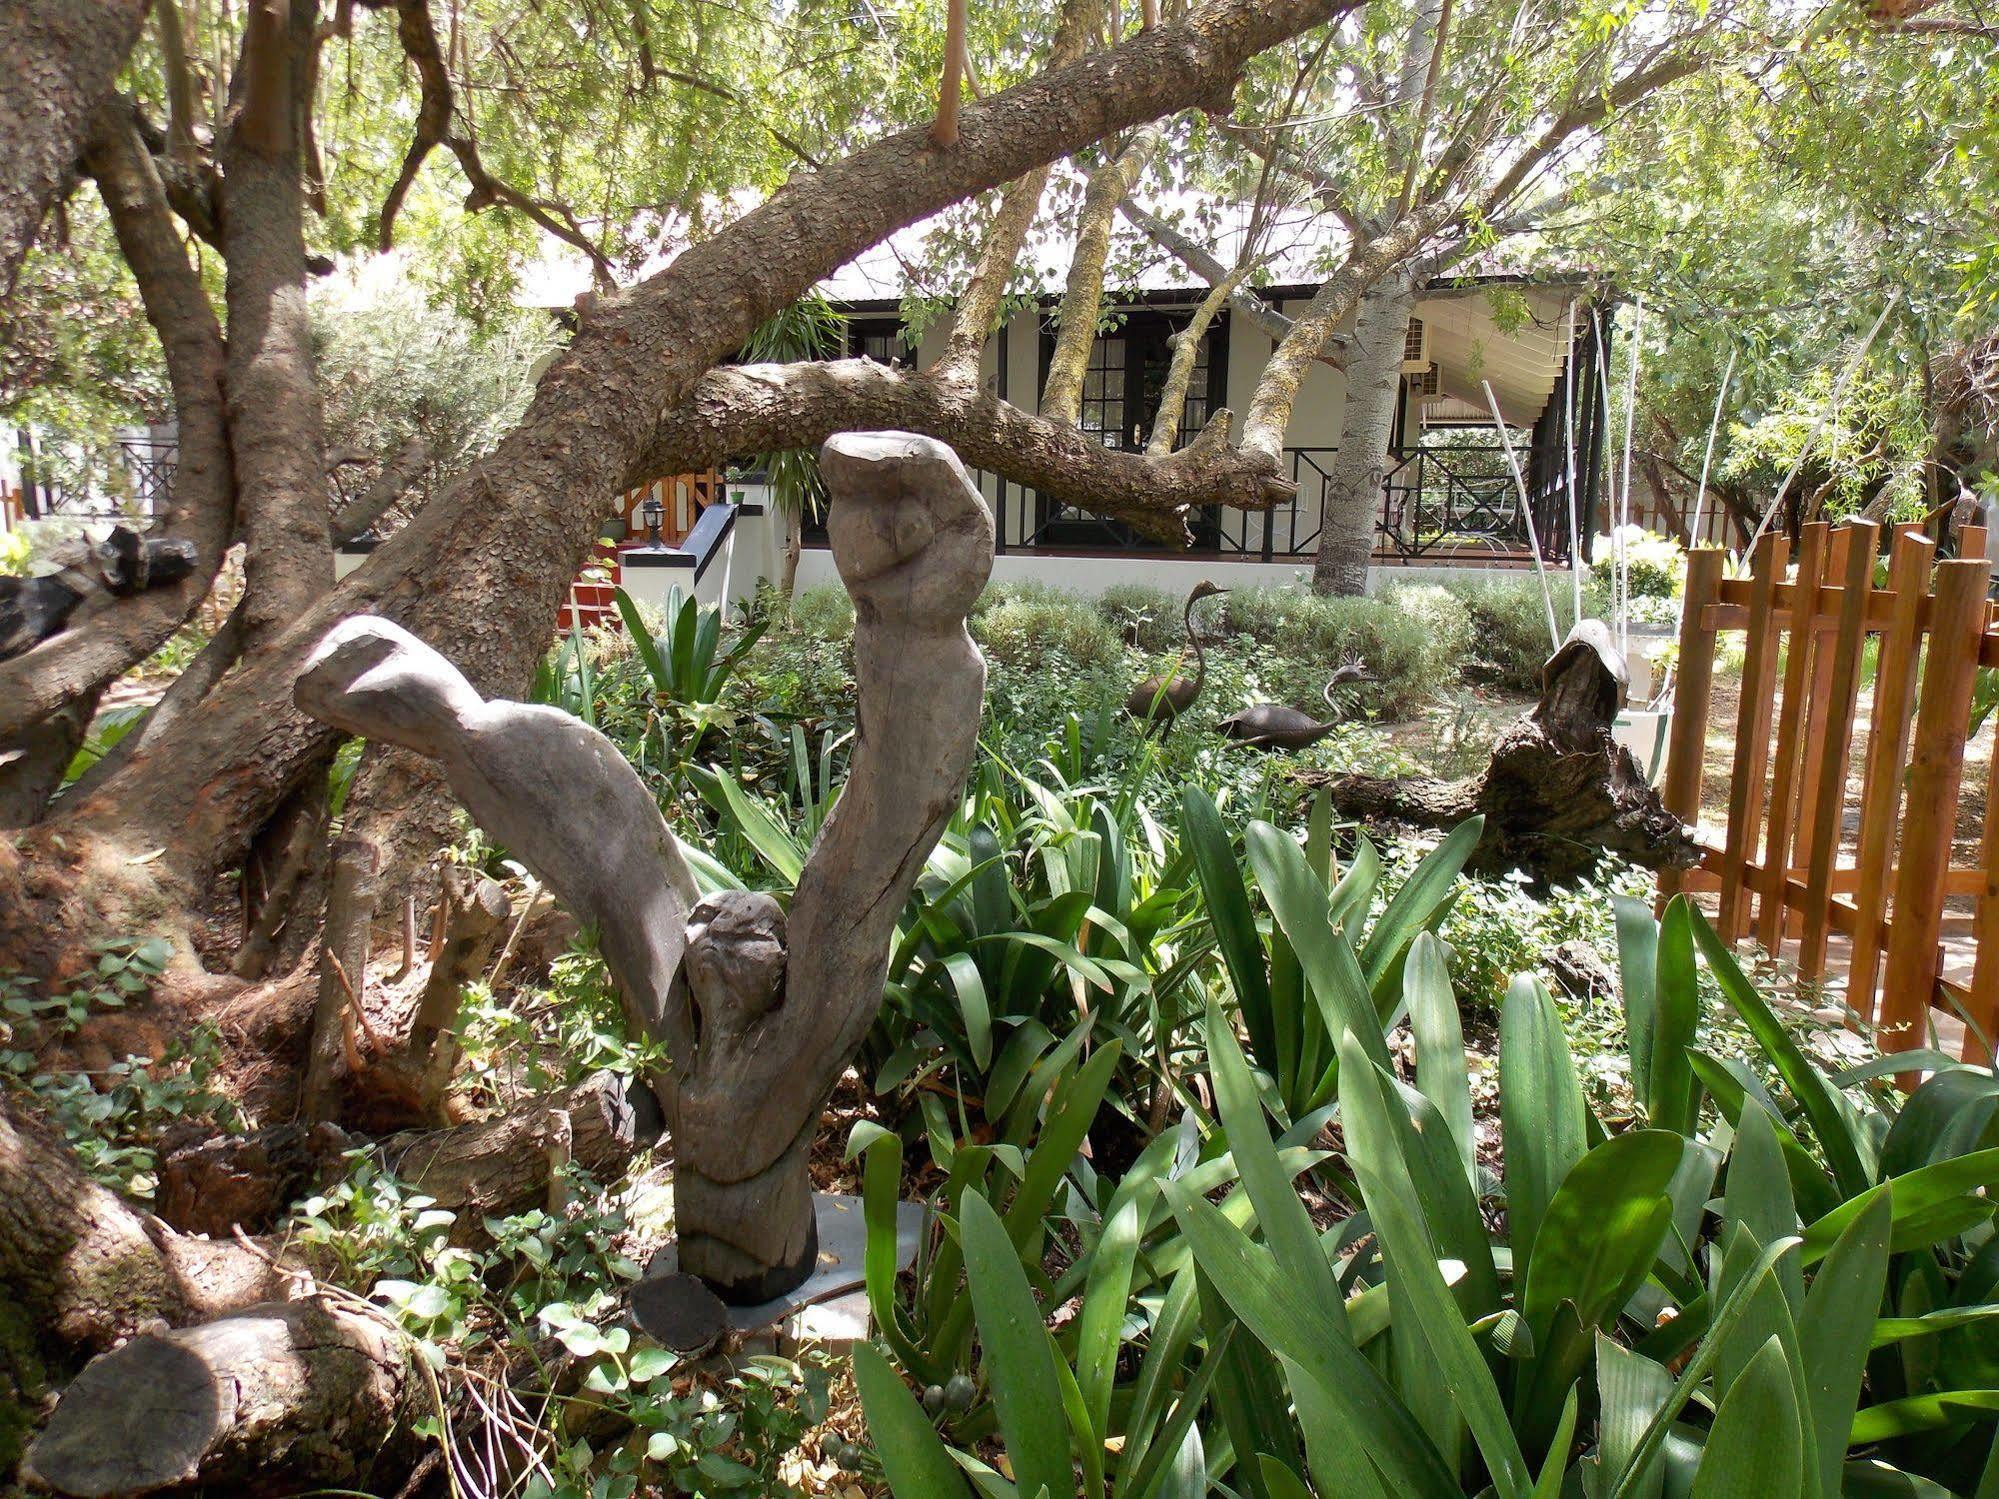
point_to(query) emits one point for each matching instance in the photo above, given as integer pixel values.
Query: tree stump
(1559, 792)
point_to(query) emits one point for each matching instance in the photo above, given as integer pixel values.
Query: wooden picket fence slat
(1787, 864)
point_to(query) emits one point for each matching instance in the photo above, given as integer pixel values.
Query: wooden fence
(1789, 864)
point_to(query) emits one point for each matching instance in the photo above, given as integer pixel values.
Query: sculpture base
(841, 1235)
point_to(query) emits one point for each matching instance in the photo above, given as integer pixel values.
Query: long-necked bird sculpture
(1164, 696)
(1281, 726)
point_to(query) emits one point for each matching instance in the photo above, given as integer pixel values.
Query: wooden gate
(1789, 865)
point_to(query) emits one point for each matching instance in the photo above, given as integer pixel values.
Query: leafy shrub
(1795, 1300)
(1655, 566)
(1509, 629)
(1412, 640)
(1145, 617)
(824, 613)
(1024, 628)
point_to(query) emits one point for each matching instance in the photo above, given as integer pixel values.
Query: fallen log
(272, 1398)
(88, 1269)
(1559, 792)
(490, 1168)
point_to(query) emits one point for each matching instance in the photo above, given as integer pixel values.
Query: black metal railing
(1434, 500)
(54, 482)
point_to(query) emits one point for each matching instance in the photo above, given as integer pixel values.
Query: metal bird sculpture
(1281, 726)
(1164, 696)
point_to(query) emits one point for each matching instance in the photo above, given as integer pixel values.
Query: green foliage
(113, 1116)
(1028, 628)
(398, 365)
(1412, 641)
(1719, 1302)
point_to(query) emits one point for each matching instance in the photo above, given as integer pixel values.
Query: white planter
(1644, 731)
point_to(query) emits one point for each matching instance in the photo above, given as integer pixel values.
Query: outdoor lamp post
(651, 514)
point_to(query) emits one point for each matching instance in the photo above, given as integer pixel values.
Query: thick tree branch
(1189, 251)
(978, 309)
(418, 36)
(100, 645)
(1083, 297)
(276, 429)
(62, 59)
(1180, 373)
(755, 408)
(521, 521)
(1277, 390)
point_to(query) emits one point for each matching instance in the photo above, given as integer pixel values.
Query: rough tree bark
(1354, 479)
(274, 402)
(521, 522)
(107, 636)
(62, 58)
(90, 1270)
(1559, 791)
(293, 1394)
(755, 1027)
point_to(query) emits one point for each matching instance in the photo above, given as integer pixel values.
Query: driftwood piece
(275, 1397)
(343, 974)
(780, 1012)
(914, 543)
(547, 786)
(1559, 792)
(492, 1167)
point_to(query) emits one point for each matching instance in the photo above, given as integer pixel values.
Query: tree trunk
(1559, 791)
(63, 57)
(753, 1039)
(284, 1395)
(1353, 485)
(794, 546)
(343, 974)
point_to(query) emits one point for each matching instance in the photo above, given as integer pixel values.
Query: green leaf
(1913, 1194)
(971, 990)
(1411, 908)
(770, 838)
(641, 638)
(1229, 913)
(912, 1454)
(1602, 1230)
(1440, 1043)
(1631, 1391)
(1755, 1449)
(1759, 1191)
(1933, 1412)
(1019, 1354)
(1287, 1227)
(1637, 964)
(1672, 1090)
(1837, 1330)
(1287, 1321)
(1374, 1151)
(1100, 1325)
(1540, 1111)
(1632, 1478)
(1555, 1466)
(1810, 1087)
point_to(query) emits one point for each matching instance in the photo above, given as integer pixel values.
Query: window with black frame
(1122, 386)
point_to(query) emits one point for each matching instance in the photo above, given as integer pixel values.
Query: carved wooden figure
(758, 1012)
